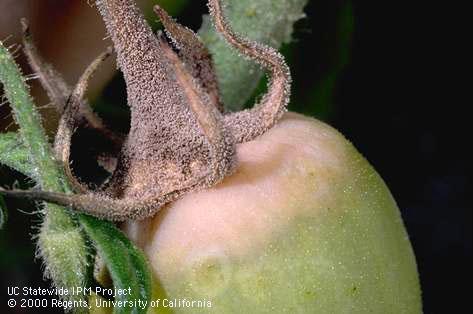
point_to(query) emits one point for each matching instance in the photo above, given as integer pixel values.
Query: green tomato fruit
(305, 225)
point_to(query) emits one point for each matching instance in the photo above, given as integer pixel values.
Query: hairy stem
(248, 124)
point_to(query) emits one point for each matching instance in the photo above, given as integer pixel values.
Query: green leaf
(61, 243)
(120, 255)
(126, 264)
(266, 21)
(3, 212)
(14, 155)
(27, 117)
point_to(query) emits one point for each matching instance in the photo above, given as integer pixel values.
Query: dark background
(396, 98)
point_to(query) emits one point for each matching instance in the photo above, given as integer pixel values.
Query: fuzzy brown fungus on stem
(194, 55)
(59, 91)
(179, 139)
(248, 124)
(55, 86)
(69, 120)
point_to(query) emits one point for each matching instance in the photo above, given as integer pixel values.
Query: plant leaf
(127, 265)
(61, 242)
(27, 117)
(266, 21)
(14, 155)
(108, 240)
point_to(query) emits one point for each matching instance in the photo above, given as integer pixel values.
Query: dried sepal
(166, 140)
(70, 119)
(248, 124)
(179, 141)
(194, 55)
(59, 91)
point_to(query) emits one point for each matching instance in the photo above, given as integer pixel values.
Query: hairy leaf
(14, 155)
(266, 21)
(126, 264)
(60, 242)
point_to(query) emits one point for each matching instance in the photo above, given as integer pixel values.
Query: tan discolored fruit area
(305, 225)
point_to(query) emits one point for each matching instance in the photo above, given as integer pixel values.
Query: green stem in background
(27, 117)
(61, 242)
(265, 21)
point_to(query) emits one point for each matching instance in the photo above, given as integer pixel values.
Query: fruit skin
(305, 225)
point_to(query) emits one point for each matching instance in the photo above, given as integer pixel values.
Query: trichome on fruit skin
(179, 140)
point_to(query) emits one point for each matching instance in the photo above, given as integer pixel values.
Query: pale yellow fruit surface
(305, 225)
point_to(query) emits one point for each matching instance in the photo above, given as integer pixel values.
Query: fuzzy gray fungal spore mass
(179, 139)
(164, 134)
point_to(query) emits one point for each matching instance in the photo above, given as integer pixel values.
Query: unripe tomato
(305, 225)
